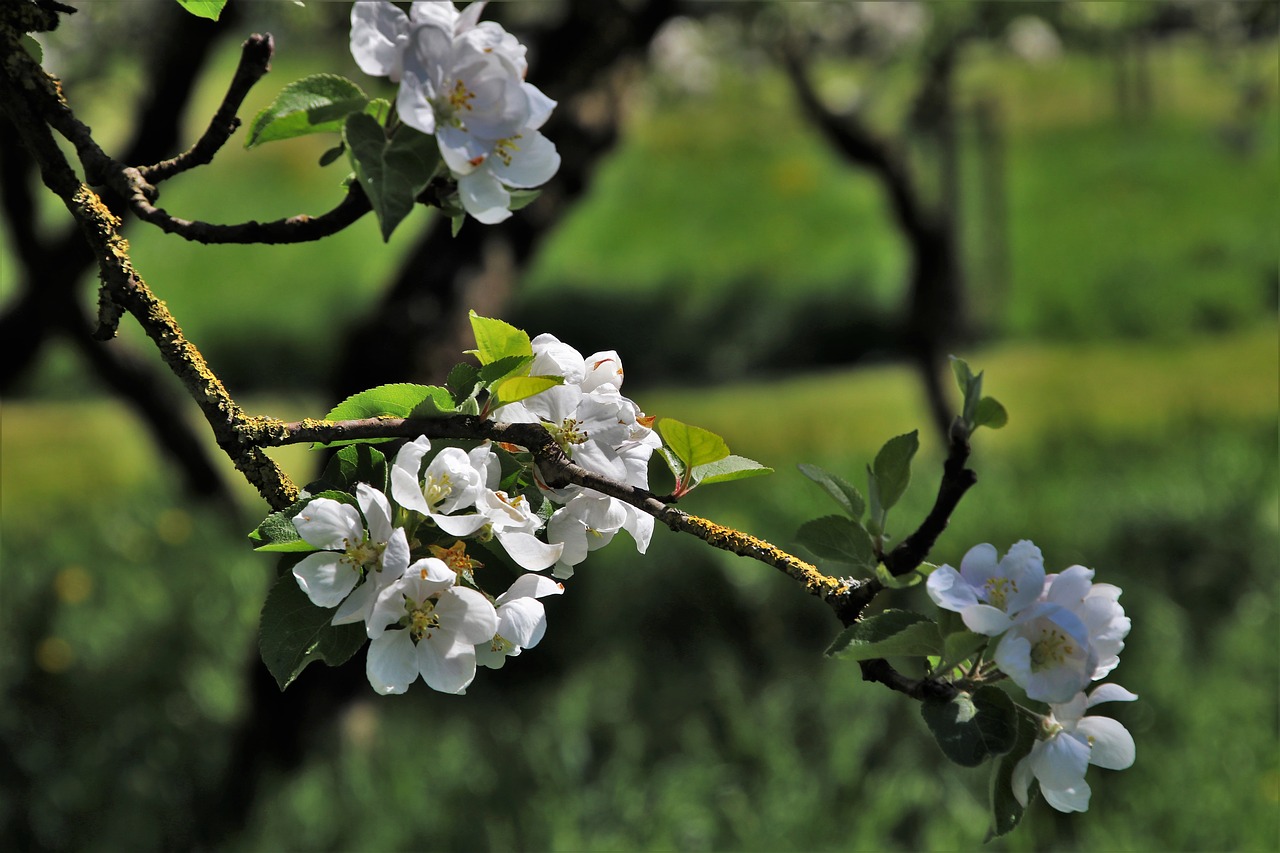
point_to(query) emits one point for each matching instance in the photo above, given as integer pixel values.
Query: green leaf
(455, 223)
(849, 498)
(497, 340)
(332, 154)
(889, 634)
(522, 198)
(892, 581)
(964, 376)
(210, 9)
(727, 469)
(959, 646)
(1006, 811)
(989, 413)
(694, 446)
(673, 462)
(973, 727)
(316, 104)
(396, 400)
(512, 365)
(437, 402)
(33, 48)
(391, 172)
(294, 632)
(519, 388)
(462, 382)
(838, 538)
(279, 534)
(893, 467)
(354, 463)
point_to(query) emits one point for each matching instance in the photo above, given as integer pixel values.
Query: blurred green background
(680, 700)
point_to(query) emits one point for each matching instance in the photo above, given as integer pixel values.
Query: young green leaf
(332, 154)
(395, 400)
(33, 48)
(294, 632)
(844, 494)
(989, 413)
(973, 727)
(840, 539)
(503, 368)
(316, 104)
(694, 446)
(210, 9)
(891, 581)
(519, 388)
(958, 647)
(893, 467)
(727, 469)
(889, 634)
(964, 375)
(497, 340)
(391, 172)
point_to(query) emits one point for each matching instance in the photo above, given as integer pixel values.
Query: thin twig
(255, 61)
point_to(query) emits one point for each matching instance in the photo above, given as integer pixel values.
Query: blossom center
(998, 591)
(423, 619)
(364, 554)
(1051, 648)
(437, 488)
(506, 149)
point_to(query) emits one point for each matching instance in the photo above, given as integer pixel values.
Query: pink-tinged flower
(1068, 744)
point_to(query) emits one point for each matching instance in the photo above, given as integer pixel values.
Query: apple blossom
(1069, 743)
(988, 594)
(350, 553)
(425, 624)
(522, 619)
(1047, 653)
(1098, 606)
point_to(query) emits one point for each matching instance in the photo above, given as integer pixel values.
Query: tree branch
(255, 61)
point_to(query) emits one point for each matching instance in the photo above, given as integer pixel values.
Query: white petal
(951, 591)
(325, 578)
(446, 665)
(985, 619)
(357, 606)
(459, 525)
(484, 197)
(1071, 586)
(980, 564)
(531, 586)
(1113, 746)
(406, 486)
(528, 551)
(467, 615)
(1110, 693)
(522, 622)
(1021, 781)
(392, 664)
(375, 29)
(412, 104)
(534, 162)
(1074, 798)
(640, 525)
(329, 524)
(377, 511)
(1061, 761)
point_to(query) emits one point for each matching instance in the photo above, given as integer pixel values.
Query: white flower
(1070, 743)
(1098, 606)
(522, 620)
(587, 522)
(351, 553)
(454, 480)
(988, 594)
(379, 33)
(424, 624)
(1047, 653)
(510, 520)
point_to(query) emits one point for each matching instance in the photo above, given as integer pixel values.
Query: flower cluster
(1054, 635)
(462, 80)
(400, 563)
